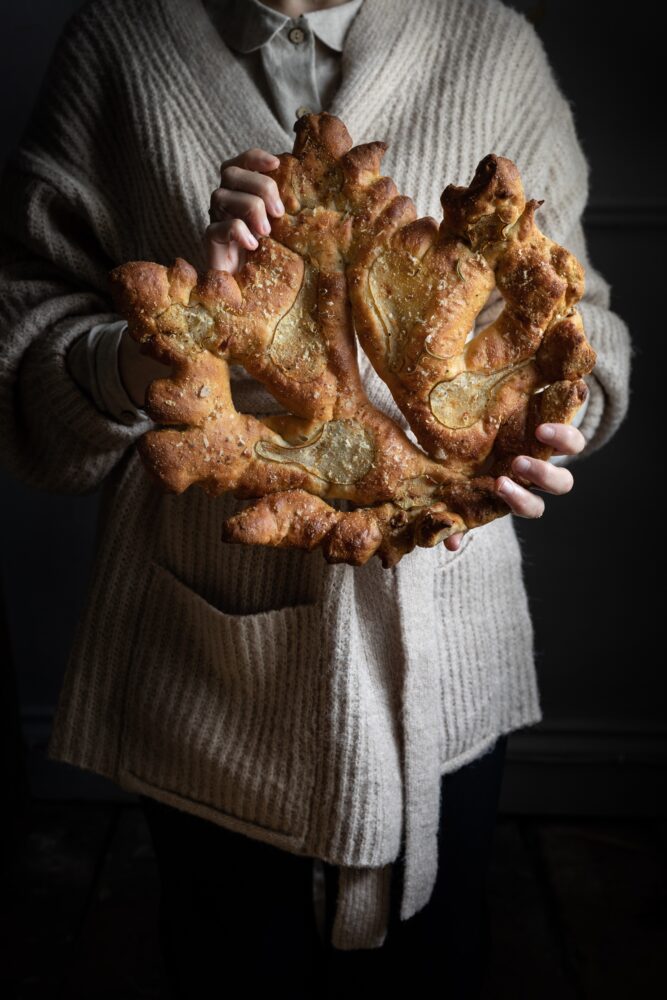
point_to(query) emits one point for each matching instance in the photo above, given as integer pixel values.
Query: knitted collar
(375, 63)
(247, 25)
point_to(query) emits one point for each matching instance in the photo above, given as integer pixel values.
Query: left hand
(565, 440)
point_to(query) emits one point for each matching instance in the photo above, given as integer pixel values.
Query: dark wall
(590, 560)
(47, 540)
(587, 562)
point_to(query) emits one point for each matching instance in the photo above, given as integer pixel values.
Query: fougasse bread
(350, 259)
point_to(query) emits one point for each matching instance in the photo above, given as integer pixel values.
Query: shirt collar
(330, 25)
(247, 25)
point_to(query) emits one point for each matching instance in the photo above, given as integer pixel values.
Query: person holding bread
(318, 747)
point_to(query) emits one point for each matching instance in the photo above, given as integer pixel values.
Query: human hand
(240, 208)
(565, 440)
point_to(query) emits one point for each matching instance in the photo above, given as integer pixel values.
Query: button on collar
(296, 35)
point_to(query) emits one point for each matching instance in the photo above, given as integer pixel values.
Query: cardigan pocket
(222, 708)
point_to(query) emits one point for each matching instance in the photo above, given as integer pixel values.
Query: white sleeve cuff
(93, 363)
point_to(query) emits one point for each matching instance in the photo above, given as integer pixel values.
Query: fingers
(542, 475)
(226, 242)
(232, 229)
(253, 159)
(240, 208)
(545, 476)
(563, 438)
(240, 205)
(521, 501)
(235, 178)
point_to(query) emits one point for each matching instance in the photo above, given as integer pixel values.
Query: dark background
(590, 562)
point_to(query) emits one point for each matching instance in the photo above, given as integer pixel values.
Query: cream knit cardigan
(310, 706)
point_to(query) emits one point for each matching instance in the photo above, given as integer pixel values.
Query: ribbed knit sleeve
(56, 248)
(536, 130)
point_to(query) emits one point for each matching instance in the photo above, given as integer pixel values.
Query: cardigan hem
(362, 910)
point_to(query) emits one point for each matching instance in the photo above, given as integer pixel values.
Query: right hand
(240, 208)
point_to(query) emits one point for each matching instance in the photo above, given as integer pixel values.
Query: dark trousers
(237, 915)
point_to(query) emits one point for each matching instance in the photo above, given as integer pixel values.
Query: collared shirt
(296, 59)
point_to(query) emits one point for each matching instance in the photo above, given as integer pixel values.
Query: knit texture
(311, 706)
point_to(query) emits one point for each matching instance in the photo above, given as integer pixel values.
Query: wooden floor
(579, 908)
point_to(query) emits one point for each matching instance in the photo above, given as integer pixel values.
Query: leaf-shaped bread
(349, 254)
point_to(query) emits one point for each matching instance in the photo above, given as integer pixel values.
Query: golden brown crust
(350, 254)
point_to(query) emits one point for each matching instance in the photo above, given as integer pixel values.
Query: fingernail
(506, 486)
(521, 464)
(253, 242)
(278, 208)
(547, 431)
(265, 227)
